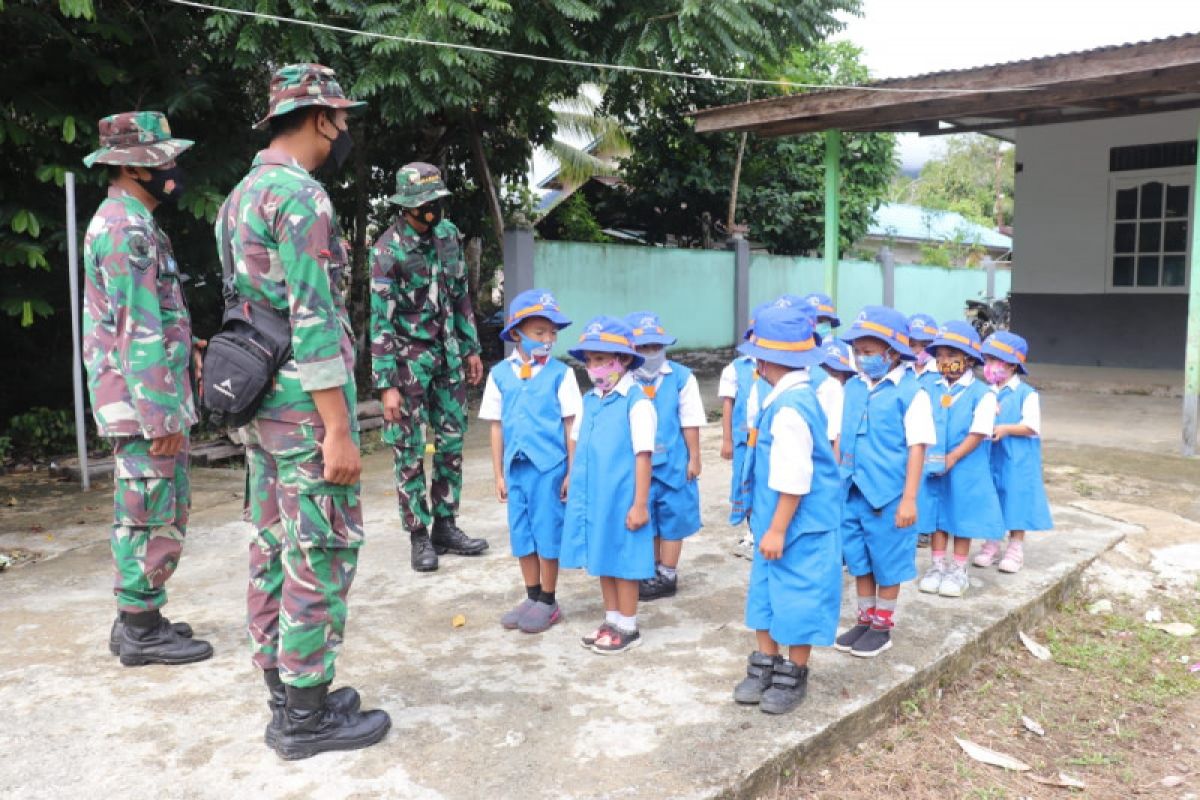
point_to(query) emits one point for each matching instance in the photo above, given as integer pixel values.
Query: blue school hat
(960, 335)
(822, 306)
(784, 335)
(648, 329)
(886, 324)
(783, 301)
(1007, 347)
(838, 357)
(532, 303)
(922, 328)
(604, 334)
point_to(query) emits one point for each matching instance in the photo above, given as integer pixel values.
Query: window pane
(1177, 201)
(1124, 240)
(1172, 271)
(1147, 271)
(1152, 197)
(1123, 271)
(1175, 237)
(1150, 237)
(1127, 204)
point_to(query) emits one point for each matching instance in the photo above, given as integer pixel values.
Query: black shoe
(424, 556)
(449, 538)
(311, 726)
(923, 539)
(150, 639)
(872, 643)
(789, 684)
(344, 700)
(845, 642)
(759, 672)
(657, 587)
(118, 630)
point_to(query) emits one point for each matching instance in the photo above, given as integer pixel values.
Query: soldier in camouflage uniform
(138, 348)
(422, 340)
(280, 230)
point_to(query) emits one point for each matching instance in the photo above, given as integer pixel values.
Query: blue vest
(531, 416)
(1017, 468)
(967, 502)
(817, 375)
(745, 371)
(670, 450)
(820, 509)
(873, 445)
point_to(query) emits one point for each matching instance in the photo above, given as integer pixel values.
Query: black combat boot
(150, 639)
(449, 538)
(424, 556)
(345, 700)
(118, 630)
(311, 726)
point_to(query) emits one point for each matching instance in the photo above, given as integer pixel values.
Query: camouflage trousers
(439, 401)
(151, 500)
(303, 554)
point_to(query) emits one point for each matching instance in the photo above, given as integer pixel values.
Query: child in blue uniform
(923, 329)
(824, 312)
(886, 426)
(606, 527)
(531, 401)
(959, 467)
(837, 362)
(795, 582)
(1016, 450)
(675, 488)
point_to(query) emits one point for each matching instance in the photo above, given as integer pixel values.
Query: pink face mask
(605, 377)
(923, 358)
(995, 373)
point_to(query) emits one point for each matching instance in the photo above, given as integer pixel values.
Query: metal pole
(1191, 359)
(888, 263)
(77, 360)
(833, 210)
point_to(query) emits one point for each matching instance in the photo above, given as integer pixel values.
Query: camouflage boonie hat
(136, 139)
(303, 85)
(418, 183)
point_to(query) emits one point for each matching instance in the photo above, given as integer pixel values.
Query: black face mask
(430, 213)
(156, 186)
(339, 150)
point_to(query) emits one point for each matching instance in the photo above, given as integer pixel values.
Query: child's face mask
(952, 367)
(873, 365)
(605, 376)
(655, 359)
(923, 358)
(824, 329)
(996, 372)
(535, 349)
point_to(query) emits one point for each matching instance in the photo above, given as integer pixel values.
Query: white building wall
(1062, 198)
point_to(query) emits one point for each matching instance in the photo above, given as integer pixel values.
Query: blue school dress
(675, 499)
(967, 503)
(535, 457)
(1017, 467)
(746, 374)
(927, 501)
(602, 491)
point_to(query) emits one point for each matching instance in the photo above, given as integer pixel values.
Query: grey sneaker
(872, 643)
(540, 617)
(932, 579)
(789, 684)
(923, 539)
(658, 586)
(512, 620)
(955, 582)
(759, 669)
(845, 642)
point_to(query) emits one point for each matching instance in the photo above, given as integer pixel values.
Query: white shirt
(984, 419)
(727, 386)
(643, 419)
(832, 395)
(1031, 408)
(918, 420)
(570, 402)
(691, 405)
(790, 470)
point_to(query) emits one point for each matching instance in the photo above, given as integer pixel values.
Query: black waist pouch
(241, 361)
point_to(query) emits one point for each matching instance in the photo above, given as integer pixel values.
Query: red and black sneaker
(588, 641)
(614, 640)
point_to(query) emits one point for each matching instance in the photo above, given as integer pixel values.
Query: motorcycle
(989, 315)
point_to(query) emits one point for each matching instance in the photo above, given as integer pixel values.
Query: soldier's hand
(474, 366)
(168, 445)
(342, 463)
(391, 404)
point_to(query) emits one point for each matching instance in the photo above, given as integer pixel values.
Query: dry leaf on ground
(1177, 628)
(1040, 651)
(1063, 780)
(987, 756)
(1032, 726)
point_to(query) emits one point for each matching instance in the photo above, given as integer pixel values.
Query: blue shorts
(873, 545)
(797, 598)
(535, 509)
(676, 512)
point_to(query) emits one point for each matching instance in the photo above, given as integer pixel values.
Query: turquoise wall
(693, 289)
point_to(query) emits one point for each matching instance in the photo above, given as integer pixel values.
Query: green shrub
(41, 432)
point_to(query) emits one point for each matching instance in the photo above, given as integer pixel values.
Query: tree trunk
(473, 254)
(733, 192)
(485, 177)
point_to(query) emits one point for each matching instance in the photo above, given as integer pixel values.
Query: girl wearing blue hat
(531, 400)
(675, 486)
(1016, 450)
(959, 466)
(922, 330)
(824, 312)
(606, 528)
(886, 426)
(792, 490)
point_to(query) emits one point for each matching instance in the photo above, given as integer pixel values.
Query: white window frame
(1176, 176)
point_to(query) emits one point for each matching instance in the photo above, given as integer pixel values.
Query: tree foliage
(965, 178)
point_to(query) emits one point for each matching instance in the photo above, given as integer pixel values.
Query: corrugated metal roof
(905, 221)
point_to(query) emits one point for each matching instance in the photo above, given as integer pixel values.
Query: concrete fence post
(741, 286)
(517, 248)
(989, 267)
(887, 263)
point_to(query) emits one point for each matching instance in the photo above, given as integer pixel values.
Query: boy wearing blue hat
(1016, 450)
(824, 312)
(793, 501)
(606, 527)
(675, 487)
(886, 426)
(838, 361)
(531, 400)
(922, 330)
(959, 466)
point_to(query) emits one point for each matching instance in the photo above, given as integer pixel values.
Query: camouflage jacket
(287, 254)
(419, 300)
(137, 335)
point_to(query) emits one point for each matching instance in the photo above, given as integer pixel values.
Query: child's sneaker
(614, 640)
(588, 641)
(512, 620)
(657, 587)
(845, 642)
(923, 539)
(955, 582)
(745, 547)
(932, 580)
(759, 671)
(789, 684)
(873, 642)
(1014, 558)
(987, 554)
(540, 617)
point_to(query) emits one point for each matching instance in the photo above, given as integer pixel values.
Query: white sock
(612, 617)
(627, 623)
(665, 571)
